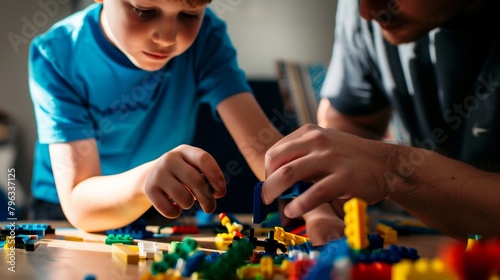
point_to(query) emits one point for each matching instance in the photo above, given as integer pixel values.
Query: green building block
(119, 238)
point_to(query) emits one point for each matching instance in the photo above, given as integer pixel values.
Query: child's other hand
(180, 176)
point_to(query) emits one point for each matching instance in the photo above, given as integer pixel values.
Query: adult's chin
(401, 36)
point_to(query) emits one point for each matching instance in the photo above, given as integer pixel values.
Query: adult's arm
(453, 197)
(371, 126)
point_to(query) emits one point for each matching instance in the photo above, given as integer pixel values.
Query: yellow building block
(73, 238)
(288, 238)
(10, 241)
(222, 240)
(356, 224)
(170, 274)
(495, 277)
(266, 269)
(125, 253)
(232, 227)
(472, 240)
(422, 269)
(389, 234)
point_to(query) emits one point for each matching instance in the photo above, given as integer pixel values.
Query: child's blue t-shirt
(83, 87)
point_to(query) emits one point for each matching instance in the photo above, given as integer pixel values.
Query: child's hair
(194, 3)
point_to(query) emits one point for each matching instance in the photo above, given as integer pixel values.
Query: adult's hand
(341, 166)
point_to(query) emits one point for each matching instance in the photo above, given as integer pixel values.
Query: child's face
(151, 32)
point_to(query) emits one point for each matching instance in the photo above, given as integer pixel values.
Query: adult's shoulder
(351, 30)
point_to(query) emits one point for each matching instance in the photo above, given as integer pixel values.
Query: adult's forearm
(371, 126)
(446, 194)
(105, 202)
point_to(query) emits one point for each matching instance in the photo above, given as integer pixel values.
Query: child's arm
(93, 202)
(250, 128)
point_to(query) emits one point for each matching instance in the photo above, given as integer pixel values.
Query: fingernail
(289, 212)
(263, 198)
(221, 184)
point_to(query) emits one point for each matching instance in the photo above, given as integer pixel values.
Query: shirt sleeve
(352, 84)
(218, 73)
(60, 112)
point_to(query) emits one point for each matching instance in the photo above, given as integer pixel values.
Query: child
(116, 89)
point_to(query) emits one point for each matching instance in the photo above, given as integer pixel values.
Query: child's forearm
(250, 129)
(105, 202)
(448, 195)
(254, 151)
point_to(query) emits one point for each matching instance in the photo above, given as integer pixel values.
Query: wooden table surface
(56, 258)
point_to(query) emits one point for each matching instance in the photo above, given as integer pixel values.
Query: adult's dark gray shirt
(444, 86)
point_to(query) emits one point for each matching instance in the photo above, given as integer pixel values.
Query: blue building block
(212, 257)
(32, 244)
(233, 218)
(391, 255)
(380, 255)
(203, 218)
(295, 190)
(375, 241)
(89, 277)
(405, 252)
(260, 209)
(137, 230)
(331, 252)
(306, 247)
(38, 229)
(21, 240)
(194, 263)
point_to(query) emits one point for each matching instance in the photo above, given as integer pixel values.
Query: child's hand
(181, 176)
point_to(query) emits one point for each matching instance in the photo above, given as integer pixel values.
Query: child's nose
(165, 33)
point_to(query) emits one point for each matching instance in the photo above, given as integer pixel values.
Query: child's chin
(150, 66)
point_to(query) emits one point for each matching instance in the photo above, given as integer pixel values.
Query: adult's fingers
(323, 191)
(288, 148)
(299, 169)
